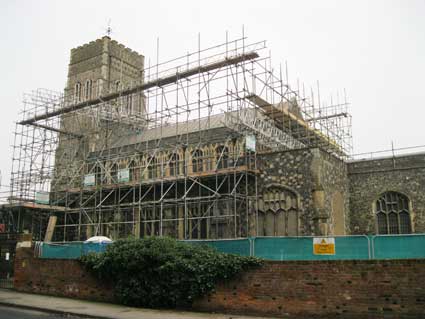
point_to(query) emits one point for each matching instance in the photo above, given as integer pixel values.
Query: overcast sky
(373, 49)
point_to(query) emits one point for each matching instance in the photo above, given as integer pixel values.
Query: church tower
(101, 67)
(97, 69)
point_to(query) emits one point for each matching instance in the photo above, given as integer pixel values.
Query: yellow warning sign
(323, 246)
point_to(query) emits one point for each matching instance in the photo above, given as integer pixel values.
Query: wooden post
(50, 229)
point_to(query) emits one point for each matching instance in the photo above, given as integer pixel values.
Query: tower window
(77, 92)
(97, 88)
(89, 88)
(129, 104)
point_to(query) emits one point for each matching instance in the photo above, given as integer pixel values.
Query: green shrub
(162, 272)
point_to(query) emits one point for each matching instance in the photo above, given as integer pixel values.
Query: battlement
(87, 51)
(86, 45)
(129, 51)
(111, 47)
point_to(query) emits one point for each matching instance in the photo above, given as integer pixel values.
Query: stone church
(204, 149)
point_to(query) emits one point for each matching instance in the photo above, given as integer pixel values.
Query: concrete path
(7, 312)
(99, 310)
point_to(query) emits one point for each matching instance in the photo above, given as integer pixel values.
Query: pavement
(7, 312)
(90, 309)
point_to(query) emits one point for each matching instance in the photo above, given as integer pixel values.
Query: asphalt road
(18, 313)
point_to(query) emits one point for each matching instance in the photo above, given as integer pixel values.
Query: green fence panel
(282, 248)
(65, 251)
(70, 250)
(301, 248)
(94, 248)
(278, 248)
(398, 246)
(230, 246)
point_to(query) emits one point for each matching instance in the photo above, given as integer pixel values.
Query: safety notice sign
(323, 246)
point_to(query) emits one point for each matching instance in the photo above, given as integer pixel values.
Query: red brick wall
(59, 277)
(297, 289)
(293, 289)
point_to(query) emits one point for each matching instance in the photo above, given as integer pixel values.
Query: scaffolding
(185, 165)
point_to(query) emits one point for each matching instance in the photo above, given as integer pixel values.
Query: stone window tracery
(133, 171)
(88, 93)
(392, 214)
(197, 161)
(222, 157)
(129, 104)
(98, 174)
(198, 221)
(77, 92)
(174, 164)
(117, 86)
(114, 173)
(152, 168)
(278, 213)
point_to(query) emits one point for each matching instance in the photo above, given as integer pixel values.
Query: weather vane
(109, 29)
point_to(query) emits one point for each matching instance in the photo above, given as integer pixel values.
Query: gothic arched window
(97, 87)
(99, 174)
(133, 171)
(198, 222)
(114, 173)
(222, 156)
(88, 92)
(261, 220)
(197, 161)
(174, 165)
(392, 214)
(281, 213)
(151, 168)
(129, 104)
(77, 92)
(269, 226)
(117, 86)
(208, 160)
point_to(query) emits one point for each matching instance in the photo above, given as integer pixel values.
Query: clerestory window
(174, 164)
(222, 157)
(197, 161)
